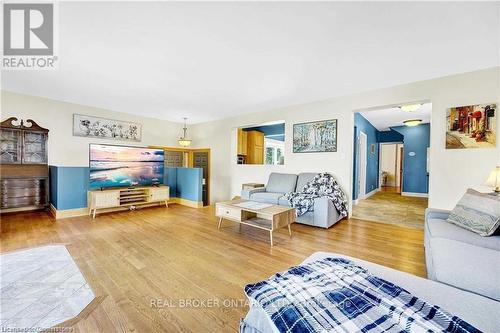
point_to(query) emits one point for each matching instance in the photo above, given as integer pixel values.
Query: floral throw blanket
(336, 295)
(322, 185)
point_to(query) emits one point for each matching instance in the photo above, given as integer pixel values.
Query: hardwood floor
(388, 206)
(132, 259)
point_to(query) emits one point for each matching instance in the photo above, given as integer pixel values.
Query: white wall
(451, 171)
(68, 150)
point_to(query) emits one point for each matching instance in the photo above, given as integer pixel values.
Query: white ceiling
(208, 60)
(383, 119)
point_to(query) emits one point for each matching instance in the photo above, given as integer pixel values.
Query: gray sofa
(461, 258)
(324, 215)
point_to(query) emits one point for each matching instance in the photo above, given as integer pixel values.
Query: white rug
(40, 288)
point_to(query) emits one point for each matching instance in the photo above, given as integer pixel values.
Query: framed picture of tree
(315, 136)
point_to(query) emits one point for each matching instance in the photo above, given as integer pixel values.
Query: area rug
(40, 288)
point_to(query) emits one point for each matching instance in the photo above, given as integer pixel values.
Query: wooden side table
(249, 186)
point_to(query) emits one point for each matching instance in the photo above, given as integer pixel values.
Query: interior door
(362, 165)
(401, 152)
(174, 159)
(200, 160)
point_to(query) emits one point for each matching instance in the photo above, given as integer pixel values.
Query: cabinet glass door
(35, 148)
(10, 146)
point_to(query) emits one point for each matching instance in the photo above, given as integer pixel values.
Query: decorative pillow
(477, 212)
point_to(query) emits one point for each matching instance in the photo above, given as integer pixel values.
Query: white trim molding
(415, 194)
(369, 194)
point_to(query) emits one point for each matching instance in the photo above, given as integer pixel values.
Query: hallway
(388, 206)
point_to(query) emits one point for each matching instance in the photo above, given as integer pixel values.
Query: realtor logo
(28, 36)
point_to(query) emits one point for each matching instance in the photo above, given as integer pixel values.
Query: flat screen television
(124, 166)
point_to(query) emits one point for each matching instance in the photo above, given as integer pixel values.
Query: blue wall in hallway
(389, 136)
(416, 140)
(363, 125)
(69, 185)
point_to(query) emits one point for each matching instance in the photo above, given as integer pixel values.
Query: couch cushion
(444, 229)
(281, 182)
(477, 212)
(267, 197)
(303, 179)
(284, 202)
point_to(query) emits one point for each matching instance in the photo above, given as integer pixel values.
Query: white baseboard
(62, 214)
(415, 194)
(369, 194)
(355, 202)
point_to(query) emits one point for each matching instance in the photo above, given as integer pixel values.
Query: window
(274, 151)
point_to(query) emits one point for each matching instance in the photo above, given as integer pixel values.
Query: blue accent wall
(276, 131)
(189, 183)
(170, 179)
(363, 125)
(389, 136)
(53, 185)
(69, 185)
(416, 140)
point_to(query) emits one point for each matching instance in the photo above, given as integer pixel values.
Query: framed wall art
(103, 128)
(315, 136)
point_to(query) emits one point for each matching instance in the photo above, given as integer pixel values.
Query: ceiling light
(410, 107)
(184, 141)
(412, 122)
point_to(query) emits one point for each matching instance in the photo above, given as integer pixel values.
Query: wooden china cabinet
(24, 171)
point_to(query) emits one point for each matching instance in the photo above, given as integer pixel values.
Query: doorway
(201, 159)
(390, 177)
(362, 142)
(391, 167)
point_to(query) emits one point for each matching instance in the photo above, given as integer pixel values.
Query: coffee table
(258, 215)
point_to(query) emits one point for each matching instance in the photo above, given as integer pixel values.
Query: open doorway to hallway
(390, 177)
(391, 167)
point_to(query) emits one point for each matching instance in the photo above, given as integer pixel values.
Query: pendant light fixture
(184, 141)
(412, 122)
(410, 107)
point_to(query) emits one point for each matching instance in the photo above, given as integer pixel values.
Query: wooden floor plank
(177, 254)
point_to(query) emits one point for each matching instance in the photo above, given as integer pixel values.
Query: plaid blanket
(335, 295)
(322, 185)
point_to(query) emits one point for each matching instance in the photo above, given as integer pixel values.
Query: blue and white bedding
(335, 295)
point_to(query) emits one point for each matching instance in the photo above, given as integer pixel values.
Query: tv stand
(124, 198)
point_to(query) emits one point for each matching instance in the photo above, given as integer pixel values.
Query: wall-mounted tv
(116, 166)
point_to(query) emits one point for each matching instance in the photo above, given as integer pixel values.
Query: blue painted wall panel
(416, 140)
(276, 131)
(189, 183)
(72, 186)
(389, 136)
(53, 185)
(363, 125)
(170, 179)
(69, 185)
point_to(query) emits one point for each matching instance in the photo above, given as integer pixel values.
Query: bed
(479, 311)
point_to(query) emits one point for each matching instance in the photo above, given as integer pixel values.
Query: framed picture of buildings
(471, 126)
(103, 128)
(315, 136)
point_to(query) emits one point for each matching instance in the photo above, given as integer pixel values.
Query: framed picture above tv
(117, 166)
(103, 128)
(315, 136)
